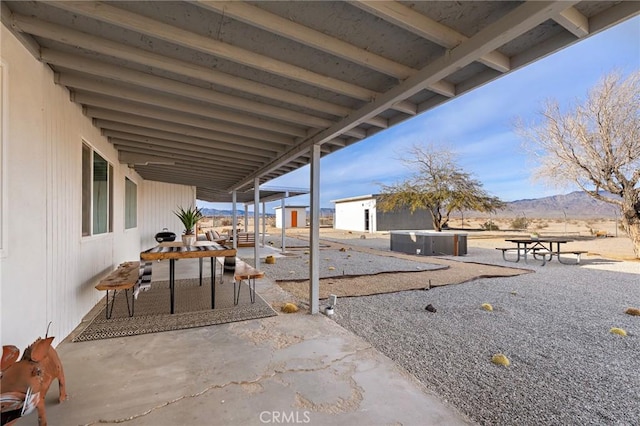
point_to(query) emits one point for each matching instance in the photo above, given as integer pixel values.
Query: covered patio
(291, 369)
(152, 105)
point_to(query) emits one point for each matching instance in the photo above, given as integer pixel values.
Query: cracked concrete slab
(288, 369)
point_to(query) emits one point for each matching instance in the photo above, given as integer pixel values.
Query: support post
(256, 224)
(284, 221)
(234, 218)
(314, 232)
(264, 221)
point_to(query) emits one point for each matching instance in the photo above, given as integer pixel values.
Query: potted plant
(189, 218)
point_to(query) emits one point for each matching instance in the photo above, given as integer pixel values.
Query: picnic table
(178, 250)
(541, 248)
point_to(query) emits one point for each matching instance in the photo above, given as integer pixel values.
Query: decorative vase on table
(189, 218)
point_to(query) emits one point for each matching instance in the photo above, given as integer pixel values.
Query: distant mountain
(577, 205)
(324, 212)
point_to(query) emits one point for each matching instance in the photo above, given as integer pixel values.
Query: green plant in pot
(189, 218)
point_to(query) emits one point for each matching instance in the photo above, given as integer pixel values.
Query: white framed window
(130, 204)
(97, 193)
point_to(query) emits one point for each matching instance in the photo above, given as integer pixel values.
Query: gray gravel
(566, 367)
(349, 262)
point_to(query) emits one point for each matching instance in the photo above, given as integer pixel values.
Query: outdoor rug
(192, 309)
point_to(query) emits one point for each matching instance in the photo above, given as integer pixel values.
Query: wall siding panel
(48, 270)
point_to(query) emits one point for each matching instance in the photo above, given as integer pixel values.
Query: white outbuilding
(361, 214)
(294, 217)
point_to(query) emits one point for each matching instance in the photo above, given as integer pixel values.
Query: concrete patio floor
(289, 369)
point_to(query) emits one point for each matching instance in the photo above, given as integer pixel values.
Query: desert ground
(601, 237)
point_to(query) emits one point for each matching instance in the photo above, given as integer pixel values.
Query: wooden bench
(244, 271)
(125, 277)
(244, 239)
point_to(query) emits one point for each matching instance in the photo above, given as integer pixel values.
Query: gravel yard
(336, 263)
(553, 325)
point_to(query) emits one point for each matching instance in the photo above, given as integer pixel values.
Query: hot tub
(430, 243)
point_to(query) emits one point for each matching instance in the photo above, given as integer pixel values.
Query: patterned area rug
(192, 309)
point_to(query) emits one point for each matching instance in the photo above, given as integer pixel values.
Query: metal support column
(256, 217)
(234, 218)
(284, 221)
(314, 232)
(264, 221)
(246, 218)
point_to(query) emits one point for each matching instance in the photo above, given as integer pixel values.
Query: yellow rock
(633, 311)
(289, 308)
(270, 260)
(331, 268)
(500, 359)
(618, 331)
(487, 307)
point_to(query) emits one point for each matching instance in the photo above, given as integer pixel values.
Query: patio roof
(217, 94)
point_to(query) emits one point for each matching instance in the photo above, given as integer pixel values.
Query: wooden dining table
(177, 250)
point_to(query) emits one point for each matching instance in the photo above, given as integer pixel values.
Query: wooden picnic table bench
(243, 239)
(125, 277)
(244, 271)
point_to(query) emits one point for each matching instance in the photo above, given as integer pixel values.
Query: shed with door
(361, 214)
(294, 217)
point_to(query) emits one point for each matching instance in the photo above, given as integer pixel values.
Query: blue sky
(477, 126)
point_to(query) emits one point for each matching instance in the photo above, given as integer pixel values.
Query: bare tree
(438, 185)
(595, 145)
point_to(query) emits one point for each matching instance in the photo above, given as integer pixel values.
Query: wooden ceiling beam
(573, 21)
(273, 23)
(222, 154)
(416, 23)
(166, 85)
(183, 152)
(131, 94)
(144, 25)
(121, 117)
(174, 116)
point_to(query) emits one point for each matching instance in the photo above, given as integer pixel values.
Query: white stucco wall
(349, 215)
(47, 269)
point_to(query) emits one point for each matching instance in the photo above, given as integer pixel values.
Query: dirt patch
(390, 282)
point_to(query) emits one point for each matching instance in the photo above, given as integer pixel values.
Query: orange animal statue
(24, 384)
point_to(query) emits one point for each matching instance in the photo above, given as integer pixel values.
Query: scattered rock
(618, 331)
(487, 307)
(430, 308)
(363, 237)
(500, 359)
(289, 308)
(343, 249)
(633, 311)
